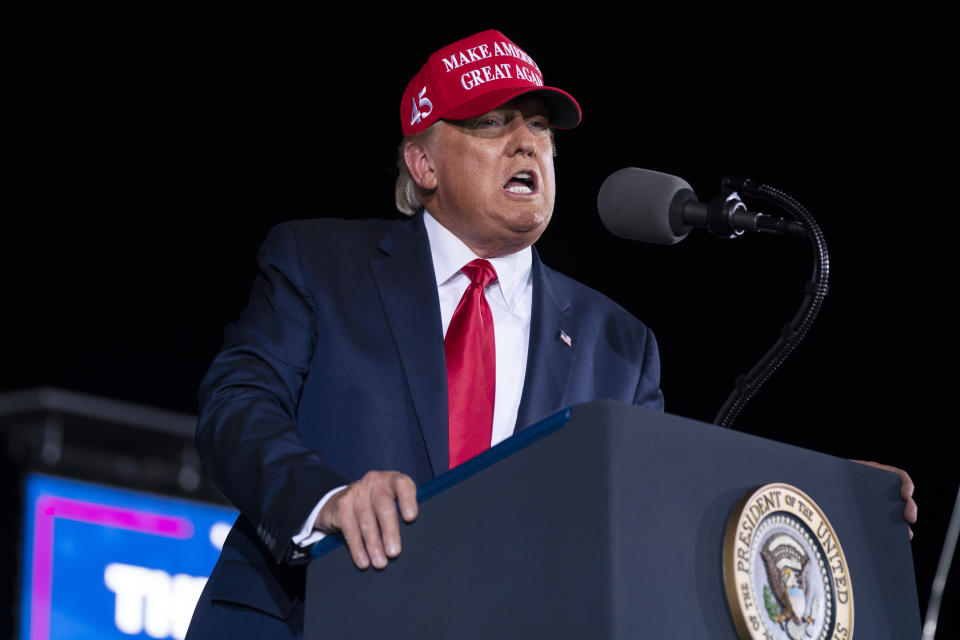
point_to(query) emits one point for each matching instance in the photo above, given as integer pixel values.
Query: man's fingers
(406, 492)
(370, 531)
(906, 493)
(906, 490)
(910, 512)
(351, 535)
(386, 514)
(906, 485)
(366, 514)
(400, 492)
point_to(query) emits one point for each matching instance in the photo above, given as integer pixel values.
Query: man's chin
(527, 220)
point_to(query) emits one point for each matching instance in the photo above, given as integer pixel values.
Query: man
(329, 401)
(376, 354)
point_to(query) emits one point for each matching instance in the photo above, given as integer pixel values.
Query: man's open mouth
(521, 183)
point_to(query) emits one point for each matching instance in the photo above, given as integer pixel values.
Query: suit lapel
(550, 360)
(408, 289)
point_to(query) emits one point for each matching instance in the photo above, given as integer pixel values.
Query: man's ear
(420, 165)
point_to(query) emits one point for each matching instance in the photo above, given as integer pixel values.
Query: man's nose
(522, 139)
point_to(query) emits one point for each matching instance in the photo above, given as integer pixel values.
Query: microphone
(649, 206)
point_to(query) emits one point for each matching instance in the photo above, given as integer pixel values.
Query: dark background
(147, 153)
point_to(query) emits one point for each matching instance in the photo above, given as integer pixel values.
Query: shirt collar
(449, 254)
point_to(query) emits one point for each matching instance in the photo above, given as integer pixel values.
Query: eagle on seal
(785, 561)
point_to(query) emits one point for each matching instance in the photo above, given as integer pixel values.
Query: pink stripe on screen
(50, 507)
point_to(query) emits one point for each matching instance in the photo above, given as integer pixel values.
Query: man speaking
(376, 354)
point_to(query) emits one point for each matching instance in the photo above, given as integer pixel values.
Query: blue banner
(103, 562)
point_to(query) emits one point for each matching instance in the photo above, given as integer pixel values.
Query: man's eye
(538, 124)
(489, 122)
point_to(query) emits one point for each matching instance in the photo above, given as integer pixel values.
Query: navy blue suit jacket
(336, 367)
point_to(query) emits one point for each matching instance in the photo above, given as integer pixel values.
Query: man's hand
(906, 491)
(366, 514)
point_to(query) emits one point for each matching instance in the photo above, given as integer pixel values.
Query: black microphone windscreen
(636, 204)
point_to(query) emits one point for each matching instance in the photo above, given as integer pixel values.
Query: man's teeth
(516, 183)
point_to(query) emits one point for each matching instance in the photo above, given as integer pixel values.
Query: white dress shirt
(510, 298)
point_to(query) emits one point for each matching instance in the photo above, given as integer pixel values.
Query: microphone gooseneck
(655, 207)
(792, 333)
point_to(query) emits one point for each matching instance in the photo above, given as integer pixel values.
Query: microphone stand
(943, 570)
(792, 333)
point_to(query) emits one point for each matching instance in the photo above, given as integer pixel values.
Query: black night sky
(146, 154)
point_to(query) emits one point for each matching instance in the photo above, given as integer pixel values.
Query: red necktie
(471, 367)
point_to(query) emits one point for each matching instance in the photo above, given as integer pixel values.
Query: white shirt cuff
(308, 535)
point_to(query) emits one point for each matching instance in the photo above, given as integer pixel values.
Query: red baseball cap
(475, 75)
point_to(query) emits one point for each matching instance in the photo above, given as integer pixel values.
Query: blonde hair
(406, 193)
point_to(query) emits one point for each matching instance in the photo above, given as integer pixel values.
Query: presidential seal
(784, 571)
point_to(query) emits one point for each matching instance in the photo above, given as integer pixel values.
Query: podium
(607, 521)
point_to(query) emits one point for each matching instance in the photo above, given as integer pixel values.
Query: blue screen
(103, 562)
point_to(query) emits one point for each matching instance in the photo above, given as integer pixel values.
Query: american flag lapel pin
(566, 339)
